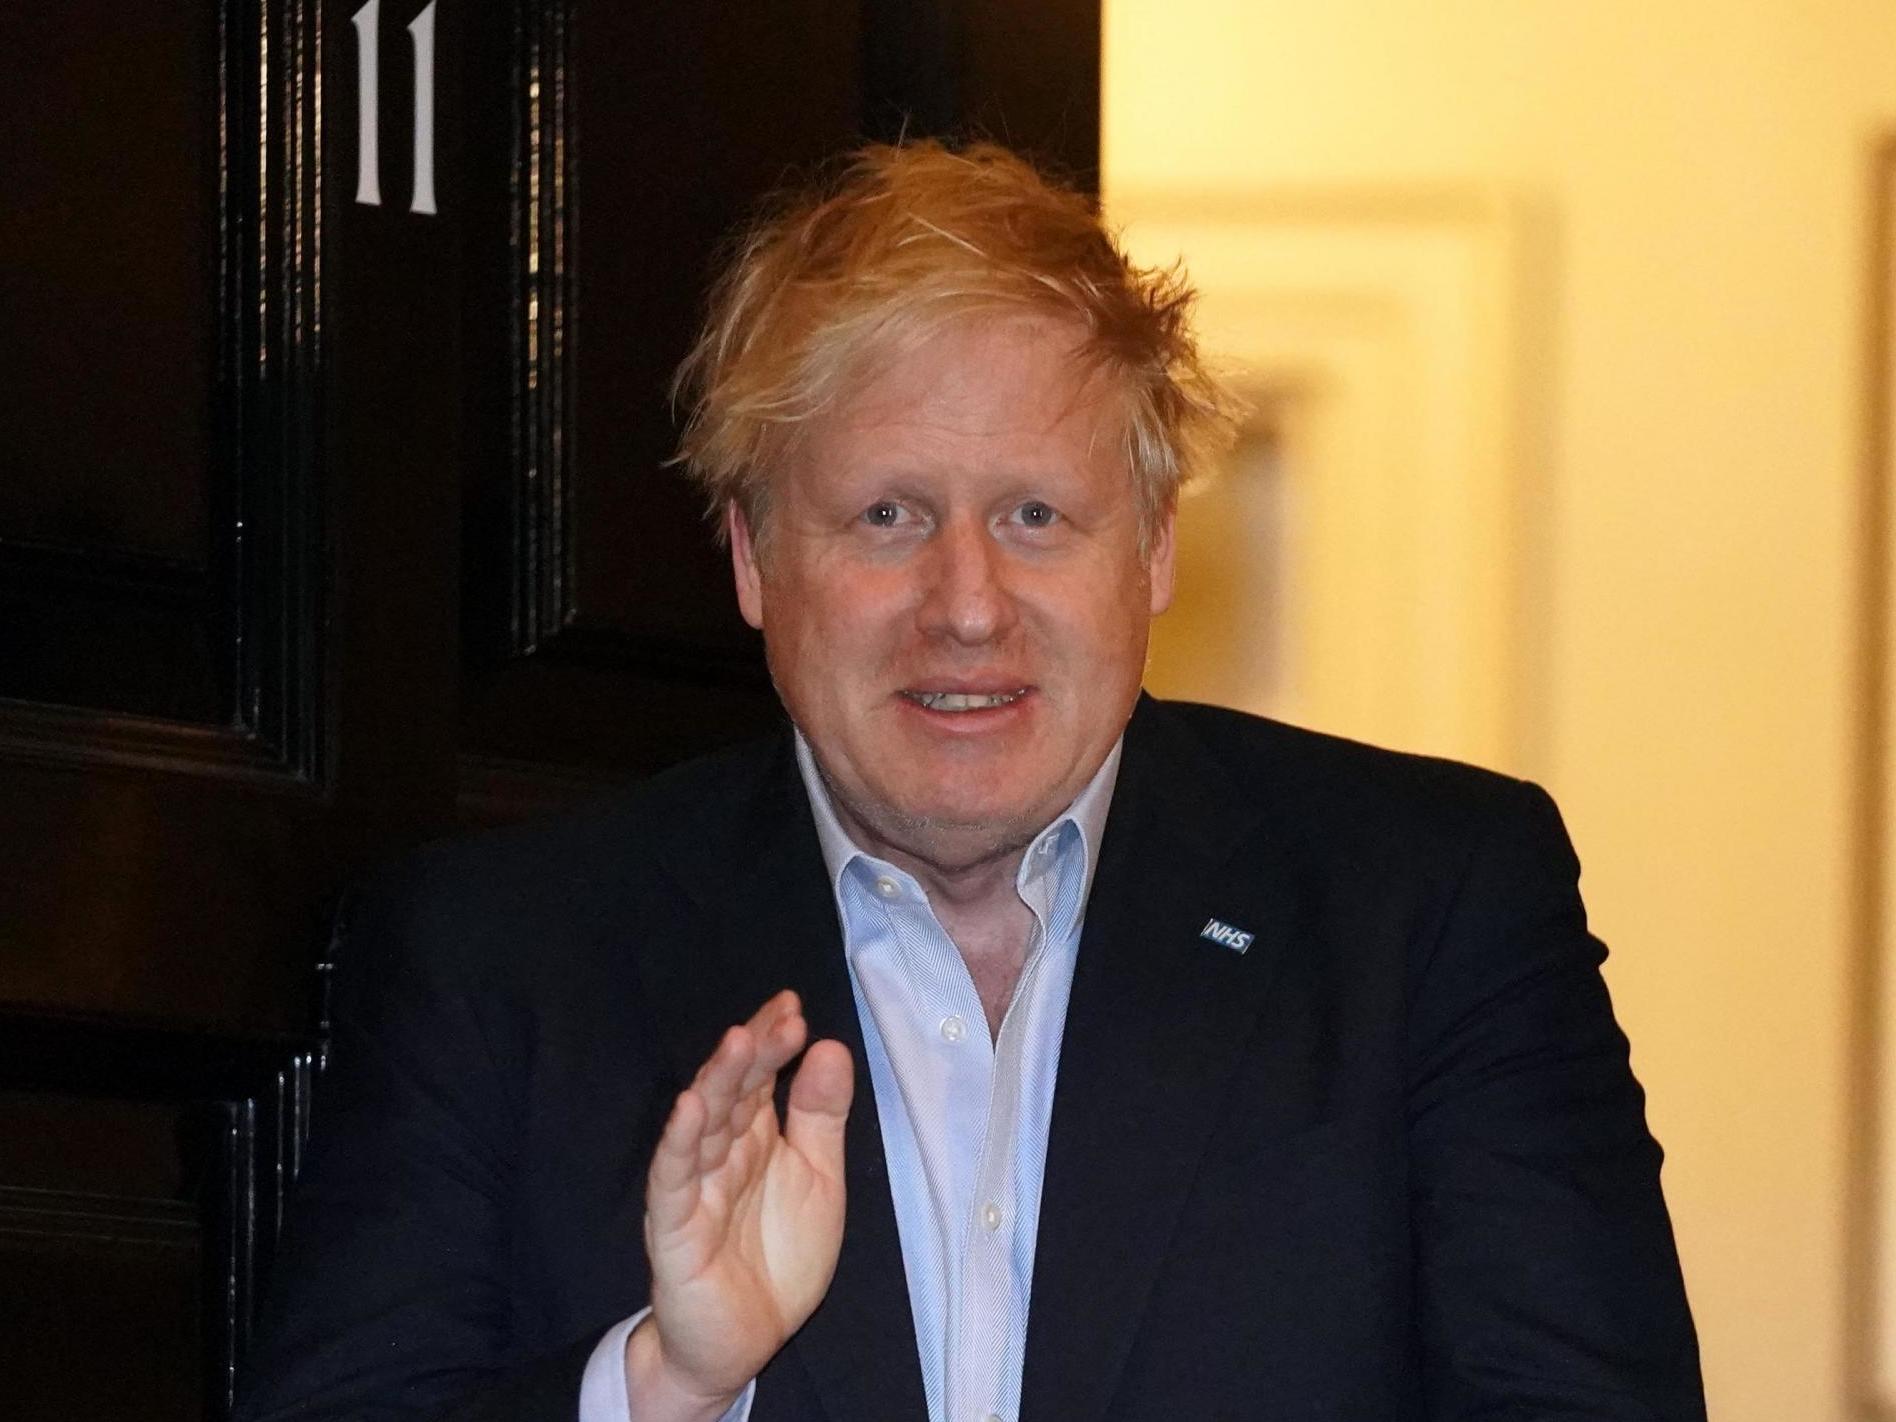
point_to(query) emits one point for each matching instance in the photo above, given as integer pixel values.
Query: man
(1171, 1063)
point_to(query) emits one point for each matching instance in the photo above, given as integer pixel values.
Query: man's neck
(973, 888)
(970, 880)
(977, 904)
(992, 938)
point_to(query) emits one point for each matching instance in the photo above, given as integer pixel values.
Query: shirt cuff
(602, 1392)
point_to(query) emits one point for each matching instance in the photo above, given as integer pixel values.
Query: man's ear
(1160, 554)
(744, 568)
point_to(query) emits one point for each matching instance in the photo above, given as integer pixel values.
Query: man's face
(952, 591)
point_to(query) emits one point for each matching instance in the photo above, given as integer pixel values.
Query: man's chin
(953, 834)
(955, 848)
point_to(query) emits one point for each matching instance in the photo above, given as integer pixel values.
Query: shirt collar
(1087, 814)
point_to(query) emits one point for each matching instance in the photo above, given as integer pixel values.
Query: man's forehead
(991, 380)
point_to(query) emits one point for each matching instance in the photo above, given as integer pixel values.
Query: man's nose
(967, 597)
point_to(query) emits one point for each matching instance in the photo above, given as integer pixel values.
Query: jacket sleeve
(389, 1298)
(1549, 1285)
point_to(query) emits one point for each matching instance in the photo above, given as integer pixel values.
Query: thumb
(818, 1108)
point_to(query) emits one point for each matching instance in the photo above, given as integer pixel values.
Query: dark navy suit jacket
(1388, 1163)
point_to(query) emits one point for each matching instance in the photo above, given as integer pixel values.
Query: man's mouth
(964, 700)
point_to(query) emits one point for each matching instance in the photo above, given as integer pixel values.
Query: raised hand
(743, 1217)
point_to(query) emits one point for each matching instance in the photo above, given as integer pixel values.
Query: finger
(734, 1097)
(718, 1083)
(818, 1109)
(671, 1187)
(779, 1031)
(778, 1006)
(758, 1096)
(753, 1105)
(720, 1080)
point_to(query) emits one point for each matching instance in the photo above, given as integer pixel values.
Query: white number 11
(421, 32)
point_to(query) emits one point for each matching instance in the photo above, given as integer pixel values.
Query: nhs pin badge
(1236, 939)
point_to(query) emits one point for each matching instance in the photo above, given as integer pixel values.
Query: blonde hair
(898, 241)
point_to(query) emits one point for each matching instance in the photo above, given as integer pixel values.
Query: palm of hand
(743, 1217)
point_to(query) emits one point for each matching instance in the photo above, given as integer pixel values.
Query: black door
(334, 516)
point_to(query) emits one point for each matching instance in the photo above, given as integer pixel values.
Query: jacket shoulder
(697, 799)
(479, 897)
(1331, 784)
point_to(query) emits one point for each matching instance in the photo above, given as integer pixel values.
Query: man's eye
(1035, 514)
(884, 514)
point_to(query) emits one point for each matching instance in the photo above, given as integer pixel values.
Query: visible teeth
(963, 701)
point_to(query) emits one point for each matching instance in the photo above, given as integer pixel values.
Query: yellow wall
(1692, 307)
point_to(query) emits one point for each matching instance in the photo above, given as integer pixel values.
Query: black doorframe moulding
(544, 184)
(263, 573)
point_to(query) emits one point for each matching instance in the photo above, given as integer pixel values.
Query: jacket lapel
(1156, 1023)
(773, 922)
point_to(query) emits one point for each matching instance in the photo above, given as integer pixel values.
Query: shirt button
(887, 887)
(953, 1029)
(992, 1417)
(991, 1215)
